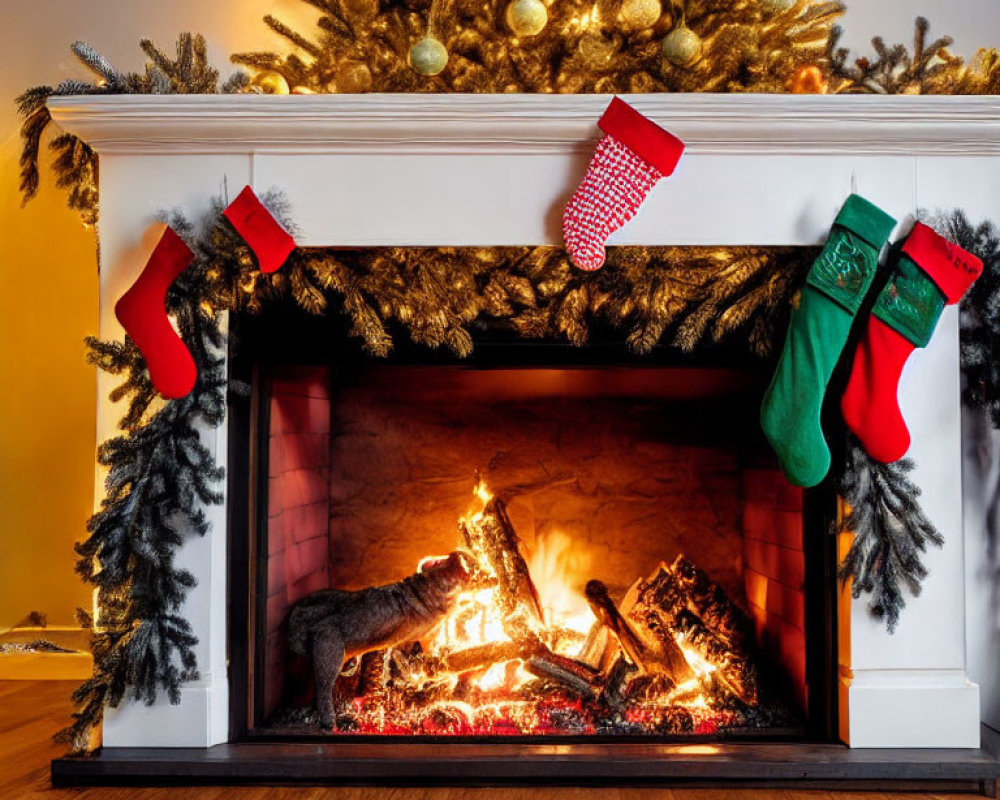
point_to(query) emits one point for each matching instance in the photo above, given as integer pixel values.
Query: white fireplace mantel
(421, 123)
(496, 170)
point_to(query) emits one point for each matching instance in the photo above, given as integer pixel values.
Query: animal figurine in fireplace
(331, 625)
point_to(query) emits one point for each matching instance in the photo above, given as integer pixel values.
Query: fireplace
(585, 482)
(857, 703)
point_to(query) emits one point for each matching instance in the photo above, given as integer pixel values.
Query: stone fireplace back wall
(613, 470)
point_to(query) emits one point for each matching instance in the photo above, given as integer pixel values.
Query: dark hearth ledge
(481, 763)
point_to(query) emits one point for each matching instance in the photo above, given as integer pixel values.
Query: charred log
(607, 614)
(581, 678)
(735, 670)
(371, 673)
(492, 538)
(600, 648)
(662, 606)
(652, 653)
(711, 603)
(483, 656)
(621, 673)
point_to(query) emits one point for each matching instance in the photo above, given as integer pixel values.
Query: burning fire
(526, 650)
(560, 570)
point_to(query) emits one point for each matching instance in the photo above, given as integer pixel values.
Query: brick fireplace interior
(609, 466)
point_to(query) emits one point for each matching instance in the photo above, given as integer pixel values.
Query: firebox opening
(655, 586)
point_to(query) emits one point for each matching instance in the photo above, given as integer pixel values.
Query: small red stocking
(931, 272)
(271, 243)
(629, 160)
(142, 312)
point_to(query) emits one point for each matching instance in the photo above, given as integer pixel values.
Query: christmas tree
(567, 47)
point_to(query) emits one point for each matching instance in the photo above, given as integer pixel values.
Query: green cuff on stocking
(910, 303)
(845, 268)
(821, 322)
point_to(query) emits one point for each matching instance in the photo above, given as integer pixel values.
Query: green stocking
(821, 322)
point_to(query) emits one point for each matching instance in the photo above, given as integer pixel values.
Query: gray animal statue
(331, 625)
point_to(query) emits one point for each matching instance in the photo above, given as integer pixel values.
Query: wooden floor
(34, 710)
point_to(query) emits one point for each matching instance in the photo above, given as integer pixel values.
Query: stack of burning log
(675, 655)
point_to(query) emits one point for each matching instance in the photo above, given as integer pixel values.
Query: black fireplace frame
(283, 335)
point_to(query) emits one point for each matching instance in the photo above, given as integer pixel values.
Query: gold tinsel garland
(683, 296)
(686, 296)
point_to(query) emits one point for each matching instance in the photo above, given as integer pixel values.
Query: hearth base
(481, 764)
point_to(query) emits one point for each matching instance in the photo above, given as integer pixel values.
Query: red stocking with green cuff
(142, 312)
(931, 273)
(630, 159)
(271, 243)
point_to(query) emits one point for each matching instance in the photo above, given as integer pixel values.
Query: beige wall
(48, 283)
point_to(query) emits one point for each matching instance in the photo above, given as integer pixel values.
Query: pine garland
(890, 532)
(693, 296)
(160, 478)
(75, 163)
(924, 69)
(980, 311)
(362, 46)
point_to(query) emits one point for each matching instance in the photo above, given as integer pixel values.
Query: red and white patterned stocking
(633, 155)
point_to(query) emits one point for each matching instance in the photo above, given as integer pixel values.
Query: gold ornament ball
(640, 14)
(271, 83)
(428, 56)
(526, 17)
(353, 77)
(682, 47)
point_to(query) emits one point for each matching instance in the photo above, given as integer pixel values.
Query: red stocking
(931, 272)
(628, 162)
(271, 243)
(142, 312)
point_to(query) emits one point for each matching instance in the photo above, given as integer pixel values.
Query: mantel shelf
(857, 125)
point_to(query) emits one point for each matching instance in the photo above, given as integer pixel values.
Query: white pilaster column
(134, 189)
